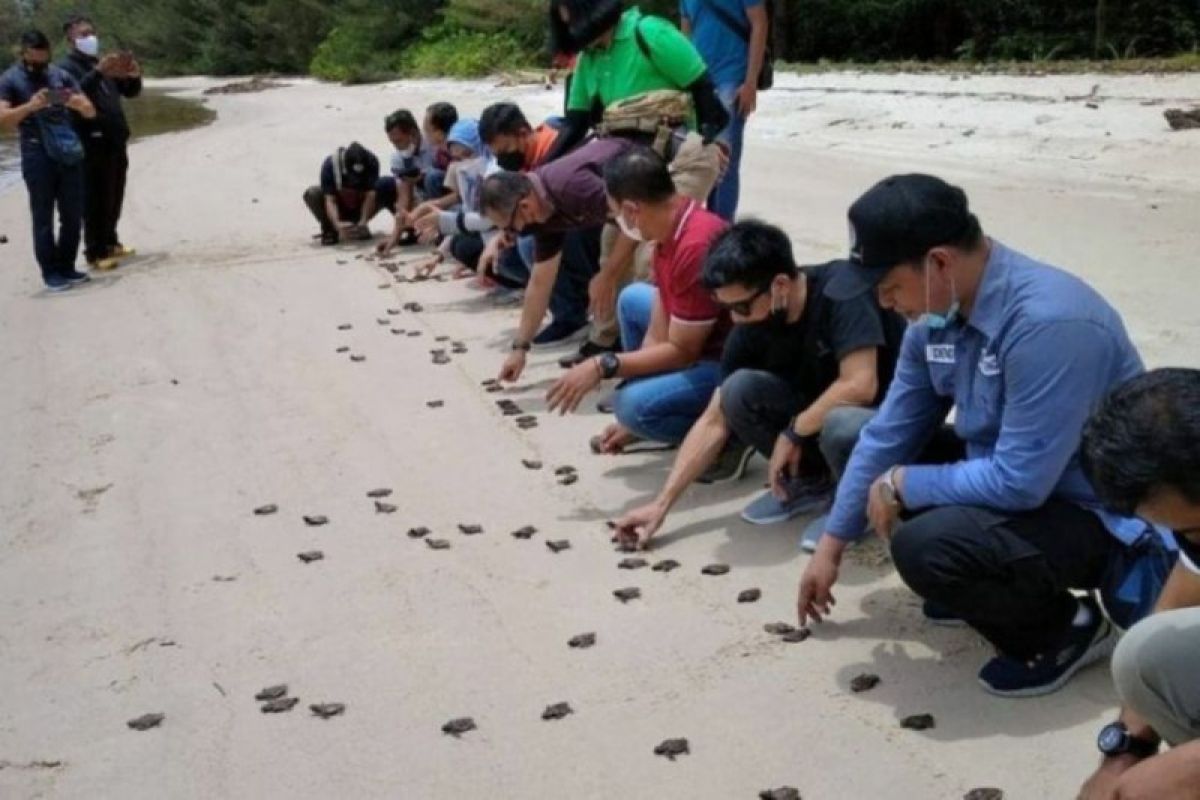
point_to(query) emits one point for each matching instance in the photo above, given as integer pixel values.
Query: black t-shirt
(354, 184)
(807, 353)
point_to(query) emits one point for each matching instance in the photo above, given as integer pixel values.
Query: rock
(749, 595)
(272, 692)
(796, 636)
(558, 545)
(918, 722)
(327, 710)
(384, 508)
(457, 727)
(984, 794)
(627, 594)
(531, 464)
(470, 530)
(782, 793)
(557, 711)
(146, 721)
(263, 511)
(437, 544)
(715, 569)
(524, 533)
(376, 494)
(666, 565)
(778, 628)
(864, 682)
(418, 533)
(582, 641)
(310, 556)
(280, 705)
(632, 563)
(672, 748)
(316, 520)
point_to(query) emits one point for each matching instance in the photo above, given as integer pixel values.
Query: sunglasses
(741, 307)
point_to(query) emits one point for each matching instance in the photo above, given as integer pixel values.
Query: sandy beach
(145, 416)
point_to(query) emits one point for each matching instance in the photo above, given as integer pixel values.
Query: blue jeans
(663, 407)
(580, 261)
(435, 183)
(50, 184)
(724, 198)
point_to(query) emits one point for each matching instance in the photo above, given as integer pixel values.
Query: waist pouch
(60, 141)
(656, 114)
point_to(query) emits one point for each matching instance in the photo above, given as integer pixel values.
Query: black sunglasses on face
(741, 307)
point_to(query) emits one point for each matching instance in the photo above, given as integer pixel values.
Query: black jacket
(105, 93)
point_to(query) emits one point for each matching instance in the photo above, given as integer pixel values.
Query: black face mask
(777, 319)
(511, 162)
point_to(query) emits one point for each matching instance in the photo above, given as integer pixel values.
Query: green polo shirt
(622, 70)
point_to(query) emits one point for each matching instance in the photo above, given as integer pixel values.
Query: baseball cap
(898, 219)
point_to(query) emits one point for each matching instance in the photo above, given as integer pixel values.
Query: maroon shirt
(574, 186)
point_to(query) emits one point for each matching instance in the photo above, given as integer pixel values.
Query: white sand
(123, 493)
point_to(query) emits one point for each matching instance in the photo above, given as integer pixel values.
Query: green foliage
(465, 54)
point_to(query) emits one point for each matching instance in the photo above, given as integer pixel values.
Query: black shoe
(589, 350)
(329, 238)
(75, 277)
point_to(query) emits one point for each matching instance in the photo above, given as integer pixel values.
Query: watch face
(1111, 740)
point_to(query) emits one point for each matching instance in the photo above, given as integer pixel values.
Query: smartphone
(58, 97)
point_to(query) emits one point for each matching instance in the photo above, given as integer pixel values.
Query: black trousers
(1006, 574)
(105, 167)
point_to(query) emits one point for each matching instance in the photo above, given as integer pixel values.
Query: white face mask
(88, 45)
(629, 230)
(408, 152)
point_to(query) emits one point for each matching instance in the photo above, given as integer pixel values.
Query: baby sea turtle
(470, 530)
(715, 569)
(566, 469)
(397, 331)
(565, 480)
(529, 463)
(342, 349)
(146, 721)
(918, 722)
(382, 321)
(376, 494)
(270, 508)
(418, 533)
(984, 794)
(310, 556)
(384, 508)
(632, 563)
(864, 682)
(438, 544)
(316, 520)
(441, 338)
(672, 748)
(457, 727)
(778, 628)
(749, 595)
(782, 793)
(526, 418)
(413, 334)
(796, 636)
(524, 533)
(557, 711)
(435, 403)
(345, 326)
(666, 565)
(558, 545)
(441, 359)
(327, 710)
(358, 358)
(272, 692)
(582, 641)
(280, 705)
(393, 311)
(627, 594)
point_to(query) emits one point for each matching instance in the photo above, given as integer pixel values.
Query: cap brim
(850, 279)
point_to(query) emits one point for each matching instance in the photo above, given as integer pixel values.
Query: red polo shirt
(678, 262)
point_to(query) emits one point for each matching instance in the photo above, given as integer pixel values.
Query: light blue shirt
(1039, 352)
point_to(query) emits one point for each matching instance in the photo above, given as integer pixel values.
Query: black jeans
(105, 167)
(51, 185)
(314, 198)
(1006, 574)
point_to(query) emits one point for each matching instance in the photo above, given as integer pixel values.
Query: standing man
(106, 162)
(1023, 352)
(346, 198)
(1142, 452)
(35, 98)
(731, 35)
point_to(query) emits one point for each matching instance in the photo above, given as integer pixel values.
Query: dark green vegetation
(357, 40)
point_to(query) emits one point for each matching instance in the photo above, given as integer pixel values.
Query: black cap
(898, 219)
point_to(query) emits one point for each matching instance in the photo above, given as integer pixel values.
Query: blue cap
(465, 132)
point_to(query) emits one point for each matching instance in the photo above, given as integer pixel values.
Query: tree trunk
(1101, 27)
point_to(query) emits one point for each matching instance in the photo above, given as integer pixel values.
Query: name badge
(989, 365)
(939, 353)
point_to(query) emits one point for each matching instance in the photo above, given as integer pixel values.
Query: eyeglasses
(742, 307)
(511, 227)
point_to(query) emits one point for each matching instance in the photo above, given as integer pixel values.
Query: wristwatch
(1115, 740)
(524, 347)
(790, 434)
(610, 364)
(891, 494)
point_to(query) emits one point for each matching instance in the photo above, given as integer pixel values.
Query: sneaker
(937, 614)
(57, 284)
(1048, 672)
(74, 277)
(813, 532)
(589, 350)
(730, 464)
(559, 333)
(804, 495)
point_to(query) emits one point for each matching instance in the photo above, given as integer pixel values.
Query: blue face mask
(939, 321)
